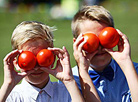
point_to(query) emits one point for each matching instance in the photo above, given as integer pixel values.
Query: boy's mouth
(101, 53)
(37, 73)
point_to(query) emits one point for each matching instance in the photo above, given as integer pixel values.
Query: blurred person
(91, 2)
(36, 85)
(112, 71)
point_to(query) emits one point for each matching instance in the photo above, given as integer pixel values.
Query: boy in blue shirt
(113, 73)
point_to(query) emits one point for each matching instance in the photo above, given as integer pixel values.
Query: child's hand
(124, 51)
(82, 58)
(62, 71)
(10, 75)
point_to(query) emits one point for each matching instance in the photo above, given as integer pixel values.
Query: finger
(123, 36)
(78, 41)
(9, 58)
(110, 51)
(13, 53)
(80, 36)
(22, 74)
(16, 65)
(120, 45)
(124, 40)
(56, 50)
(126, 44)
(58, 67)
(66, 53)
(119, 32)
(25, 73)
(121, 41)
(80, 47)
(91, 55)
(48, 70)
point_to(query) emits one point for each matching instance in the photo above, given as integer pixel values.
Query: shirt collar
(112, 64)
(34, 91)
(49, 88)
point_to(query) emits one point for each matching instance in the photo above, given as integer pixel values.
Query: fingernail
(20, 51)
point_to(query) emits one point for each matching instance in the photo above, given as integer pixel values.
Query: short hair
(93, 13)
(28, 30)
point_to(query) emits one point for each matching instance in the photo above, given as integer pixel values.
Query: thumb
(110, 51)
(48, 70)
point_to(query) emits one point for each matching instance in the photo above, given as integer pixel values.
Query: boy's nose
(36, 66)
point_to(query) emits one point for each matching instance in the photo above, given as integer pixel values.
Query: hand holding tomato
(82, 59)
(45, 57)
(109, 37)
(92, 42)
(124, 50)
(62, 70)
(10, 74)
(27, 60)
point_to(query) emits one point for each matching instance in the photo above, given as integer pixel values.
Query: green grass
(125, 15)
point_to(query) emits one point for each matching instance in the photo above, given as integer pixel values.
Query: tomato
(27, 60)
(45, 57)
(92, 42)
(109, 37)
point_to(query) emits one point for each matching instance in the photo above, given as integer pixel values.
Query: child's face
(38, 78)
(101, 58)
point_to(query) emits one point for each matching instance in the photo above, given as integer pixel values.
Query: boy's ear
(74, 39)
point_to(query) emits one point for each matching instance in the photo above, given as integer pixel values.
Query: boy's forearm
(74, 91)
(132, 78)
(88, 89)
(5, 91)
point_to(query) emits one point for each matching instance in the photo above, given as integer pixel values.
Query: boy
(123, 77)
(36, 85)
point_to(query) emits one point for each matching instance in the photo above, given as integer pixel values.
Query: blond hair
(28, 30)
(93, 13)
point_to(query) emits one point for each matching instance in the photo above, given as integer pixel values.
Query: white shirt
(52, 92)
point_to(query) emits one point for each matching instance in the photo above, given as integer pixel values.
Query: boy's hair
(28, 30)
(93, 13)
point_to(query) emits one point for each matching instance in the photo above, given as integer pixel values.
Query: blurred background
(59, 13)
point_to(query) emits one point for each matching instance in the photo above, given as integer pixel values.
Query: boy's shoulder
(58, 85)
(136, 66)
(17, 88)
(15, 95)
(75, 71)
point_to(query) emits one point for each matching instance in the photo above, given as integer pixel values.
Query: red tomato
(92, 43)
(109, 37)
(27, 60)
(45, 57)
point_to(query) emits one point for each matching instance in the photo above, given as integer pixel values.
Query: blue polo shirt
(116, 90)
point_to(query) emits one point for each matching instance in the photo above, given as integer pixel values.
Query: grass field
(125, 15)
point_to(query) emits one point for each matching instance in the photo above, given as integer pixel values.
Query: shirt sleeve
(136, 66)
(127, 97)
(77, 81)
(14, 97)
(76, 77)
